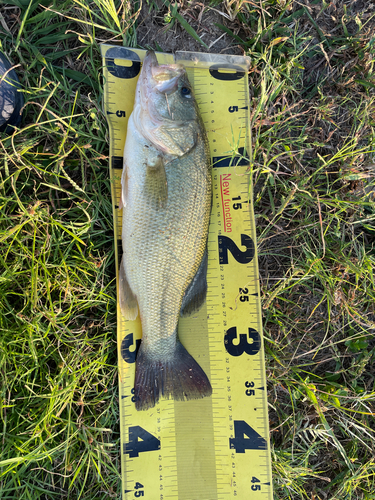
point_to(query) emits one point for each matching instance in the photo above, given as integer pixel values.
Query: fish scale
(156, 231)
(216, 448)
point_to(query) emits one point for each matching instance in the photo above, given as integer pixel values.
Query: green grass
(313, 102)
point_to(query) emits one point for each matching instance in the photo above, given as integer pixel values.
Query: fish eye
(185, 92)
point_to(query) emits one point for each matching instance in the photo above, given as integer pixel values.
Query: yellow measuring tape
(215, 448)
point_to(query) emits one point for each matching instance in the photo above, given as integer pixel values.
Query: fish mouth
(162, 77)
(151, 107)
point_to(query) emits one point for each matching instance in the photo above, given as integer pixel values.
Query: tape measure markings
(232, 417)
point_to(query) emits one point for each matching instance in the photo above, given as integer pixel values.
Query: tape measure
(215, 448)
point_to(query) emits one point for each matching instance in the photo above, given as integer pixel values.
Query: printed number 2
(243, 257)
(139, 441)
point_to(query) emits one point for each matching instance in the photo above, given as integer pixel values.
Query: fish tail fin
(178, 376)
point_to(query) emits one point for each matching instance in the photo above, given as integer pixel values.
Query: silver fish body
(166, 199)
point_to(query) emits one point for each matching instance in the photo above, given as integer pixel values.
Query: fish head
(167, 107)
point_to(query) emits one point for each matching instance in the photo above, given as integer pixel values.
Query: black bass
(166, 200)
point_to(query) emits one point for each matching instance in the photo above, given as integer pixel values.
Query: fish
(166, 203)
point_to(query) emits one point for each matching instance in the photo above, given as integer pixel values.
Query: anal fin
(127, 299)
(195, 293)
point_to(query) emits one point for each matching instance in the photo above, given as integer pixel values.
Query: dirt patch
(157, 28)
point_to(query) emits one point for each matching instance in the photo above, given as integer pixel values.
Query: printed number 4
(253, 441)
(139, 441)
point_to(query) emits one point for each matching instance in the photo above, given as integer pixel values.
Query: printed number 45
(139, 493)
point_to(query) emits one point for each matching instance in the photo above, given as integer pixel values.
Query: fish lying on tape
(166, 200)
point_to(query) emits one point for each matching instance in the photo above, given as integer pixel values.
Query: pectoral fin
(127, 299)
(156, 188)
(196, 292)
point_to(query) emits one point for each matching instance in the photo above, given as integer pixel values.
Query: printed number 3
(243, 345)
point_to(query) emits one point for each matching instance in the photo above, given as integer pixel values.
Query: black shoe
(11, 101)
